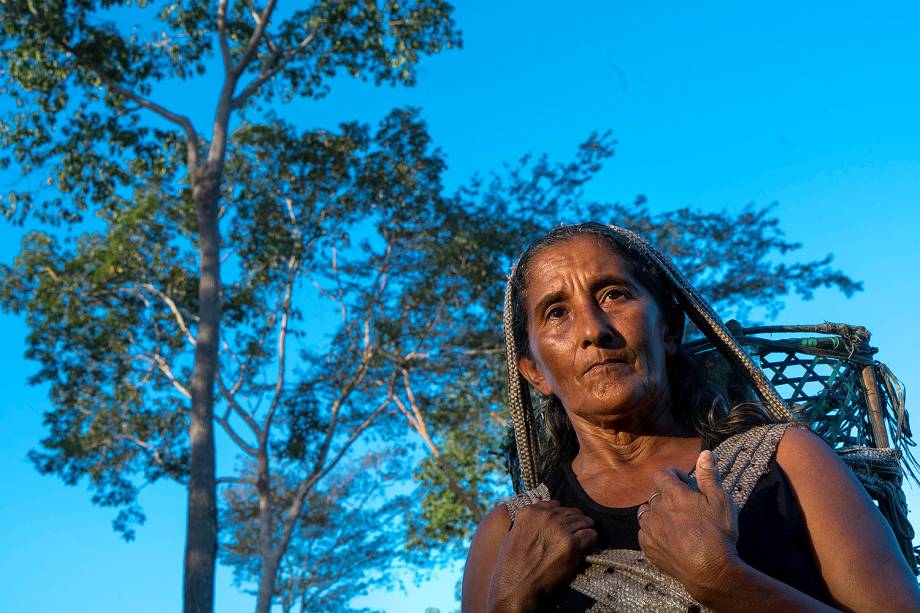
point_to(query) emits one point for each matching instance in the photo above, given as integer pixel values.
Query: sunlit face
(597, 339)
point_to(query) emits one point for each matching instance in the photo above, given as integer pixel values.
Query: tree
(339, 550)
(91, 136)
(347, 229)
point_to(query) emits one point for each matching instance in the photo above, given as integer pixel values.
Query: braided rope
(525, 436)
(694, 305)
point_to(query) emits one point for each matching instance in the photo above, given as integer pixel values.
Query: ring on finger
(652, 497)
(644, 509)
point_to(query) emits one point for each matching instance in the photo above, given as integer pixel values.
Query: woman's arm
(855, 549)
(481, 558)
(510, 566)
(691, 535)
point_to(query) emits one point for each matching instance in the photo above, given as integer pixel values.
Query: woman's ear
(534, 375)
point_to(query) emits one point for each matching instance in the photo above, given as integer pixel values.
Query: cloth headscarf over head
(696, 308)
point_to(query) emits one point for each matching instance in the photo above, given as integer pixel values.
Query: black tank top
(771, 531)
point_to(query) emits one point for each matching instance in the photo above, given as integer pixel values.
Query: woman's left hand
(690, 534)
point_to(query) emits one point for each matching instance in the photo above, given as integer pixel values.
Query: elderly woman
(631, 513)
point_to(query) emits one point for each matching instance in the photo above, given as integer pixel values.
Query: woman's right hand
(544, 548)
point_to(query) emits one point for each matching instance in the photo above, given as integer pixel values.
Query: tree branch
(254, 40)
(182, 121)
(419, 424)
(307, 484)
(147, 447)
(265, 74)
(228, 428)
(235, 406)
(238, 480)
(180, 320)
(256, 19)
(163, 366)
(282, 333)
(222, 36)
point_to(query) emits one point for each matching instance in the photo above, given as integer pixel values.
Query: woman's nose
(595, 325)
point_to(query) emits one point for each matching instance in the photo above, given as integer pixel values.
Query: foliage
(346, 229)
(132, 322)
(345, 543)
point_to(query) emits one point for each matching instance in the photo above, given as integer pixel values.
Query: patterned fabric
(623, 580)
(516, 503)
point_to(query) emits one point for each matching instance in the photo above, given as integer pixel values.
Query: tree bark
(270, 558)
(270, 563)
(201, 525)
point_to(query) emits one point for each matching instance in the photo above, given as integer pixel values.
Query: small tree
(91, 136)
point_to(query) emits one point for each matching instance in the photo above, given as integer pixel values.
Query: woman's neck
(625, 452)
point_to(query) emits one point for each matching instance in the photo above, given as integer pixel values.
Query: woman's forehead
(580, 256)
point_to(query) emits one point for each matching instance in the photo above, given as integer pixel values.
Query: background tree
(89, 127)
(346, 229)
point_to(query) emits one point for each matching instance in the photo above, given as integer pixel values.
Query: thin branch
(327, 294)
(402, 409)
(244, 368)
(228, 428)
(419, 423)
(163, 366)
(265, 75)
(147, 447)
(233, 404)
(230, 352)
(256, 19)
(282, 333)
(307, 484)
(344, 448)
(171, 304)
(181, 120)
(238, 480)
(254, 40)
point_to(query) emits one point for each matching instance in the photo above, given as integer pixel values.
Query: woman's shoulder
(495, 524)
(851, 540)
(809, 462)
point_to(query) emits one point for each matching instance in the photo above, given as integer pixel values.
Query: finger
(707, 476)
(546, 504)
(585, 538)
(643, 510)
(575, 523)
(667, 481)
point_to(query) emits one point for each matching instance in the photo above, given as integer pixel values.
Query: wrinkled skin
(689, 534)
(543, 548)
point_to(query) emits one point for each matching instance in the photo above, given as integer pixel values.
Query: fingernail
(708, 461)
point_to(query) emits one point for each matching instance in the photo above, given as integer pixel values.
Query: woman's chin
(618, 404)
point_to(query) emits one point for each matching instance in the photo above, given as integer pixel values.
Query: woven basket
(830, 380)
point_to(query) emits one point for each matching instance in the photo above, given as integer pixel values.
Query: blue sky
(714, 105)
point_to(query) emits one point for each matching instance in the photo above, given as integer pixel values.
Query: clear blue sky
(811, 105)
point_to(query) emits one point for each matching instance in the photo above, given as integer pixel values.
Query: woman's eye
(613, 294)
(555, 312)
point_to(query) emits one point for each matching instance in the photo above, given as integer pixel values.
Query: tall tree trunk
(270, 559)
(201, 526)
(270, 564)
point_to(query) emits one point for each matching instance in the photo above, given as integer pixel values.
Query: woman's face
(598, 341)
